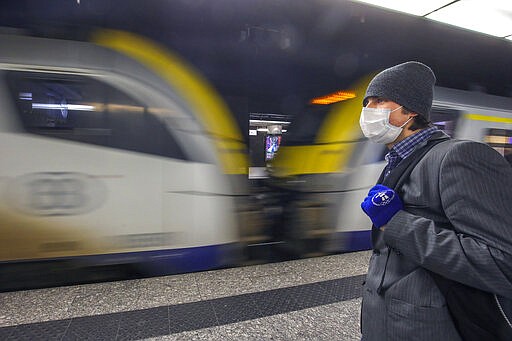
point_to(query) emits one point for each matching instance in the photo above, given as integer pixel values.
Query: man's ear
(411, 114)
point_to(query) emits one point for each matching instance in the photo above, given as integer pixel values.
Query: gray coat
(457, 222)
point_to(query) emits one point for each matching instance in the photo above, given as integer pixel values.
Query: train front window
(501, 141)
(83, 109)
(445, 119)
(303, 131)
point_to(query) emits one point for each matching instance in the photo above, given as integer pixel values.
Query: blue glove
(381, 204)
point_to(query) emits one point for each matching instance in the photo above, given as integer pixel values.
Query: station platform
(316, 298)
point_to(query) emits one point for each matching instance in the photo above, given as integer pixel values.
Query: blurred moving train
(323, 175)
(123, 158)
(106, 162)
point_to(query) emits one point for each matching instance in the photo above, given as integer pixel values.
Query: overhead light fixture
(407, 6)
(337, 96)
(269, 122)
(491, 17)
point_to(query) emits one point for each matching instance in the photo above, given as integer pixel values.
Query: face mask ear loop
(396, 109)
(403, 125)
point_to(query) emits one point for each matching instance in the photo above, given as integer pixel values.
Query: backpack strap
(400, 173)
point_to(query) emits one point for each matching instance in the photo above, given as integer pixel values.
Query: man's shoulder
(469, 152)
(467, 145)
(450, 148)
(447, 143)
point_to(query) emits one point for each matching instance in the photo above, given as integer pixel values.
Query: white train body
(325, 205)
(106, 162)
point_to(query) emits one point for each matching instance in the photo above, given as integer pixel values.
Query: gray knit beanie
(410, 84)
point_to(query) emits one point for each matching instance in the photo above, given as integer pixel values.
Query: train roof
(470, 99)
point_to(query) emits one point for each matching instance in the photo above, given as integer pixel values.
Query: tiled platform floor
(316, 298)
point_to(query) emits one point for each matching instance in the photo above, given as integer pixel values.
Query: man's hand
(381, 205)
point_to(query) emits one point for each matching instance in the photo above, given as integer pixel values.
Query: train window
(83, 109)
(501, 140)
(303, 131)
(445, 119)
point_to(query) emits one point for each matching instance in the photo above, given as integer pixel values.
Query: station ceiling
(273, 55)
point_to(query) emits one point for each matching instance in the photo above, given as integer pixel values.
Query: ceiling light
(268, 121)
(492, 16)
(407, 6)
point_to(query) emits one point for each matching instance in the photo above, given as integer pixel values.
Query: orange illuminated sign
(337, 96)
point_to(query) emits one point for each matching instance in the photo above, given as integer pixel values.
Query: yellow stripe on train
(486, 118)
(202, 98)
(334, 144)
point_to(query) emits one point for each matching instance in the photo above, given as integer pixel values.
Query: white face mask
(375, 125)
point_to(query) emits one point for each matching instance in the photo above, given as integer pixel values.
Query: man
(452, 216)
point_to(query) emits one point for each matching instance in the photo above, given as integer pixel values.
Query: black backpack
(477, 314)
